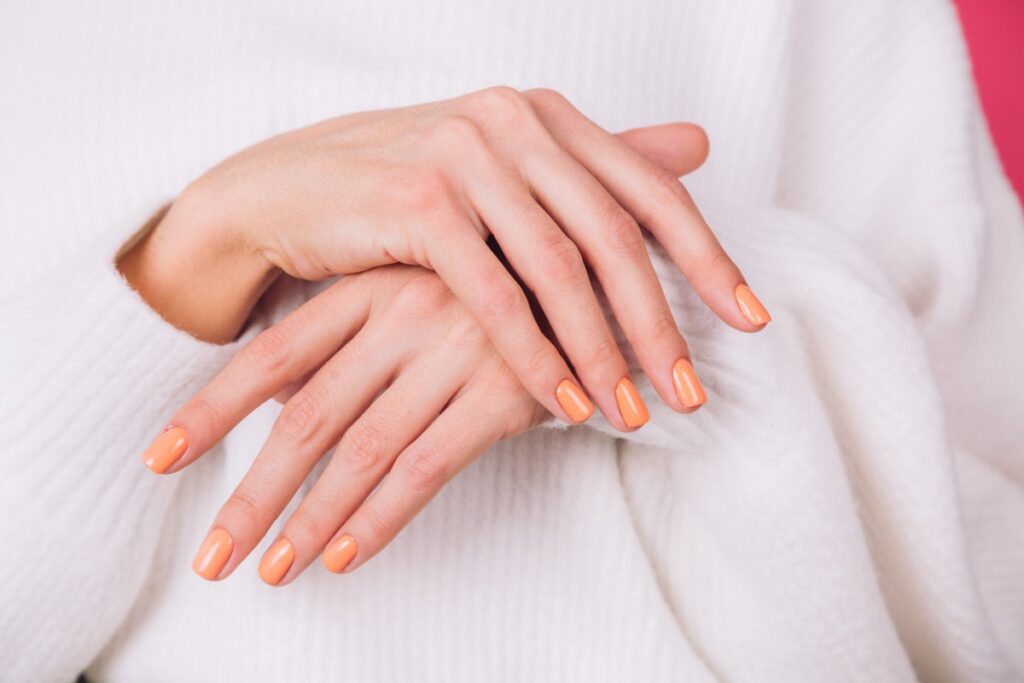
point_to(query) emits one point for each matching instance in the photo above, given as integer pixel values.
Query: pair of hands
(418, 371)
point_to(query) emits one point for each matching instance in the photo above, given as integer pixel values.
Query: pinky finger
(451, 442)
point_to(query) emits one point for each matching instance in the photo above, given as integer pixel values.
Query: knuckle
(301, 419)
(719, 260)
(463, 332)
(364, 448)
(306, 523)
(563, 261)
(426, 191)
(243, 508)
(422, 297)
(621, 233)
(378, 526)
(504, 381)
(502, 298)
(715, 260)
(663, 329)
(524, 418)
(547, 98)
(455, 132)
(500, 100)
(538, 361)
(268, 352)
(425, 467)
(668, 190)
(209, 412)
(602, 353)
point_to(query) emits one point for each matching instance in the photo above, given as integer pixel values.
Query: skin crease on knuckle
(301, 419)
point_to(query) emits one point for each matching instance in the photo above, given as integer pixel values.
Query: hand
(402, 374)
(428, 184)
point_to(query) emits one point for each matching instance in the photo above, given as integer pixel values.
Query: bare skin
(427, 185)
(389, 363)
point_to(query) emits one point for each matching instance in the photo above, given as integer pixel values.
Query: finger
(679, 148)
(277, 361)
(458, 435)
(364, 455)
(488, 290)
(613, 246)
(311, 421)
(552, 267)
(657, 199)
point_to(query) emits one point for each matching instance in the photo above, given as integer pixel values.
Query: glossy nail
(574, 401)
(631, 406)
(166, 450)
(751, 308)
(339, 553)
(687, 384)
(215, 552)
(277, 561)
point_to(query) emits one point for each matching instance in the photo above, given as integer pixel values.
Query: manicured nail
(688, 387)
(631, 406)
(751, 308)
(215, 552)
(166, 450)
(338, 554)
(277, 561)
(574, 401)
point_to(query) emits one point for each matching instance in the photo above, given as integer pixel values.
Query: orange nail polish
(166, 450)
(339, 553)
(751, 308)
(631, 406)
(574, 401)
(215, 552)
(277, 561)
(687, 385)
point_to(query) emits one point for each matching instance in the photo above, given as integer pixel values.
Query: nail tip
(574, 401)
(339, 556)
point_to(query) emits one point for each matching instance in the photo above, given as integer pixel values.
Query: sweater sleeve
(89, 373)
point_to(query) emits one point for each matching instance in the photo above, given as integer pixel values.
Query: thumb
(680, 148)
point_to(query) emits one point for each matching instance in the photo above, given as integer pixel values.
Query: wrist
(196, 271)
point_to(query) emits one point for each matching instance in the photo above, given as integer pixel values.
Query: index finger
(276, 357)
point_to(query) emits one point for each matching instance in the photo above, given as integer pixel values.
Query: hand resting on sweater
(398, 368)
(390, 363)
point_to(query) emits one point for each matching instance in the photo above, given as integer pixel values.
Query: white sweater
(848, 506)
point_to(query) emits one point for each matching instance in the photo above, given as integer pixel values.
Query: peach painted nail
(687, 385)
(751, 308)
(215, 552)
(574, 401)
(631, 406)
(338, 554)
(277, 561)
(166, 450)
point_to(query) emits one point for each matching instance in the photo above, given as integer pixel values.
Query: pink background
(995, 35)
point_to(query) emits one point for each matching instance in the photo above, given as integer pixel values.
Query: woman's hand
(401, 373)
(428, 185)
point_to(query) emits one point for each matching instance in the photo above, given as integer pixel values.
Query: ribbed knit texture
(849, 505)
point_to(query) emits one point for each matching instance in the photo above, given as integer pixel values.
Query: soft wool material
(848, 505)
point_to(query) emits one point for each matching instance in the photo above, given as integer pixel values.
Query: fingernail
(215, 552)
(687, 385)
(631, 406)
(277, 561)
(574, 401)
(338, 554)
(751, 308)
(166, 450)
